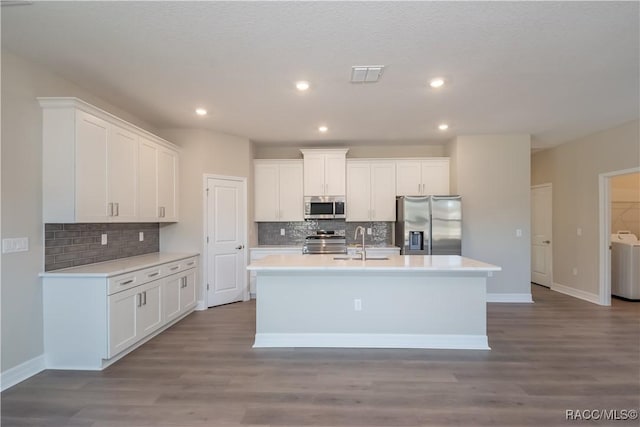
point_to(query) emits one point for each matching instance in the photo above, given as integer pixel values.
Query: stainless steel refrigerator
(429, 225)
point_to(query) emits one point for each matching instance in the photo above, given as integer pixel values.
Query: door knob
(546, 241)
(240, 247)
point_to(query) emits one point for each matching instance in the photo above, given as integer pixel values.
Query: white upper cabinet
(98, 168)
(418, 177)
(90, 180)
(167, 185)
(370, 190)
(324, 172)
(278, 190)
(157, 183)
(122, 175)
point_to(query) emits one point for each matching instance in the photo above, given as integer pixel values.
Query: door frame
(550, 186)
(604, 181)
(205, 227)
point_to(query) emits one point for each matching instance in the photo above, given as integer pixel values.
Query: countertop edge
(162, 258)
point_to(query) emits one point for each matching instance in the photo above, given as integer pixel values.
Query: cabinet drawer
(189, 263)
(135, 278)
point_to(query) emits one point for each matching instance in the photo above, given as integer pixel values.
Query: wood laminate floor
(555, 355)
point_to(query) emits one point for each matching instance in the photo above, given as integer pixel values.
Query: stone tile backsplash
(70, 245)
(295, 232)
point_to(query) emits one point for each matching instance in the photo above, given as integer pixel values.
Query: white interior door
(541, 241)
(226, 229)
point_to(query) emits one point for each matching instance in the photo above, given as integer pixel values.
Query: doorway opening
(617, 197)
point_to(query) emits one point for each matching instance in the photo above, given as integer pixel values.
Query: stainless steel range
(325, 242)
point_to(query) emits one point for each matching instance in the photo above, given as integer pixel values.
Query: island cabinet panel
(92, 320)
(395, 302)
(421, 177)
(98, 168)
(278, 190)
(324, 172)
(370, 190)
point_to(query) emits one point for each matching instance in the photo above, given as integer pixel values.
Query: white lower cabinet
(178, 294)
(92, 321)
(133, 314)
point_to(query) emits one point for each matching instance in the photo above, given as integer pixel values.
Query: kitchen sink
(357, 258)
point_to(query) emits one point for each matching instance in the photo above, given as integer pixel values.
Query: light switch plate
(18, 244)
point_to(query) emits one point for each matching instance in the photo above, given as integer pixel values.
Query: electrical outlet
(575, 271)
(357, 304)
(141, 236)
(103, 239)
(579, 231)
(282, 231)
(369, 231)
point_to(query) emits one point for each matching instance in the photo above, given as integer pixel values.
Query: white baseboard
(467, 342)
(510, 298)
(576, 293)
(19, 373)
(202, 305)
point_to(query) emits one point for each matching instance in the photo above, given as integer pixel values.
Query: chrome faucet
(363, 253)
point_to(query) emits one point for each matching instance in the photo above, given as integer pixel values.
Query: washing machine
(625, 265)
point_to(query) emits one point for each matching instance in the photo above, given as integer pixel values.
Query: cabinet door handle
(117, 209)
(184, 282)
(127, 282)
(139, 298)
(191, 263)
(110, 209)
(153, 274)
(145, 298)
(164, 213)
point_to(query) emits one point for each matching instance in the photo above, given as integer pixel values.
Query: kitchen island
(401, 301)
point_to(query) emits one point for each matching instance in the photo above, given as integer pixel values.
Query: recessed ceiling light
(302, 85)
(323, 129)
(201, 111)
(437, 82)
(443, 126)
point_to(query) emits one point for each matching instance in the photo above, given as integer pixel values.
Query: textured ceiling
(556, 70)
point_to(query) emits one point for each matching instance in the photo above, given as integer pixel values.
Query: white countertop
(119, 266)
(397, 263)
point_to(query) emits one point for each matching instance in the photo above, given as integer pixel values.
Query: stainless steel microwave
(324, 207)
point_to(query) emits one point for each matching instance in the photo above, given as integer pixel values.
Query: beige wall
(21, 294)
(573, 170)
(399, 149)
(492, 174)
(204, 152)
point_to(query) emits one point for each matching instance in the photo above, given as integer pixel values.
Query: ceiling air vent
(366, 73)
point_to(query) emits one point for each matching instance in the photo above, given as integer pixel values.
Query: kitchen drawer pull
(174, 268)
(191, 263)
(145, 298)
(127, 282)
(153, 274)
